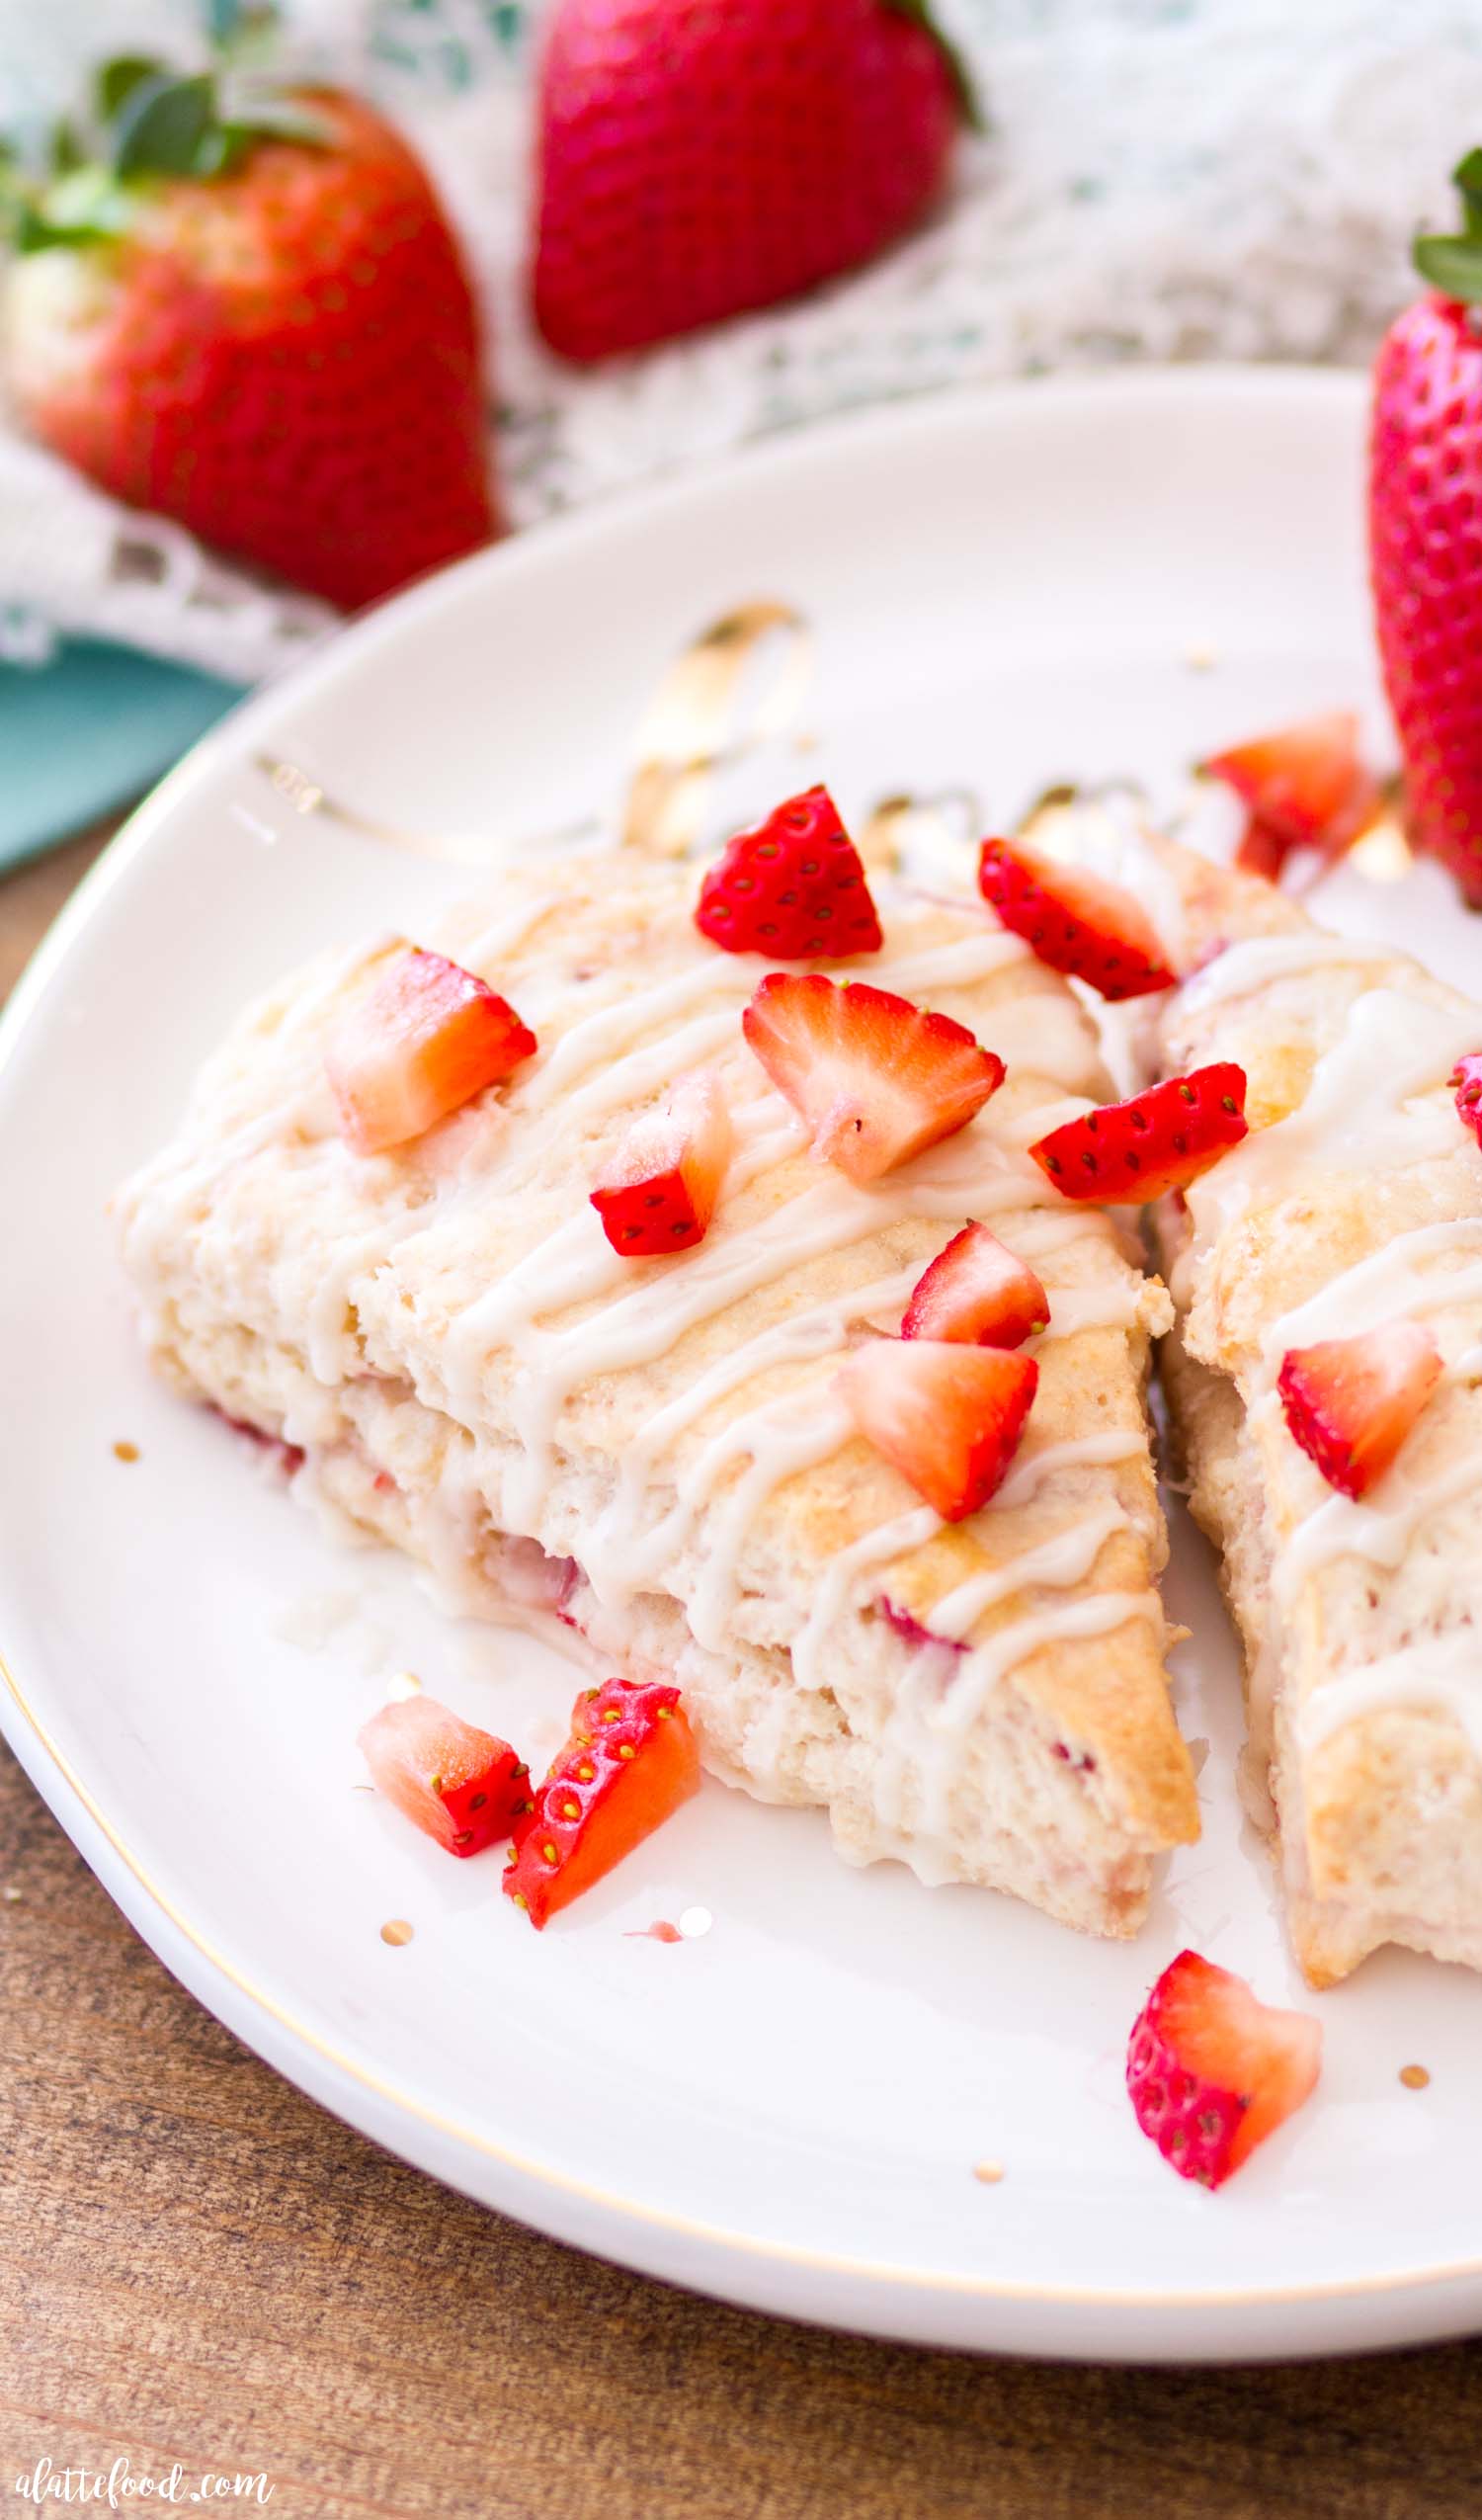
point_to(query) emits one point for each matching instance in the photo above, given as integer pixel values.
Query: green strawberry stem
(146, 122)
(161, 124)
(920, 14)
(1453, 264)
(114, 81)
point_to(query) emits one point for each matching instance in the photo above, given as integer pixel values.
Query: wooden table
(198, 2265)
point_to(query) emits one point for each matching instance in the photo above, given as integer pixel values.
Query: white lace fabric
(1162, 179)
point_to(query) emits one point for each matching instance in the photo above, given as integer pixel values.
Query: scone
(1355, 1204)
(655, 1451)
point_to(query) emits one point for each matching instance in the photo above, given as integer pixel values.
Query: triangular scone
(655, 1450)
(1356, 1201)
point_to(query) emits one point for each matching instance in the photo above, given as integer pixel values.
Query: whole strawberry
(1426, 539)
(698, 158)
(244, 308)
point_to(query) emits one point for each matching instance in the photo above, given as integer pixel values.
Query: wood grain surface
(198, 2265)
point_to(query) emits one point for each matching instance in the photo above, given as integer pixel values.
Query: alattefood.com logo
(117, 2487)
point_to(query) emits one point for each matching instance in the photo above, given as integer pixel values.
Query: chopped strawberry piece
(1076, 923)
(427, 1039)
(948, 1417)
(1212, 2072)
(659, 1190)
(1467, 1077)
(1350, 1403)
(288, 1457)
(793, 888)
(1305, 786)
(463, 1786)
(629, 1762)
(1260, 850)
(875, 1078)
(906, 1624)
(977, 1292)
(1157, 1141)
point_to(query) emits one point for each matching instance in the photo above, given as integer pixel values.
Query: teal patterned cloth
(457, 47)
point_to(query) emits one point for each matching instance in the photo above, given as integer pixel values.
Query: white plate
(1003, 590)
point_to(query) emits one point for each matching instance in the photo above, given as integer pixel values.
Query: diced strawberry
(659, 1189)
(288, 1457)
(1212, 2072)
(1350, 1403)
(875, 1078)
(629, 1762)
(1157, 1141)
(977, 1292)
(947, 1417)
(906, 1624)
(793, 888)
(426, 1040)
(463, 1786)
(1467, 1077)
(1305, 786)
(1076, 923)
(1261, 850)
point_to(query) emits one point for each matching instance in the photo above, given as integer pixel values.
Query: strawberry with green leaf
(1426, 537)
(240, 305)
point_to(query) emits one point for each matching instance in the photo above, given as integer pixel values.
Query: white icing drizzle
(486, 951)
(1067, 1559)
(608, 1058)
(1443, 1672)
(1031, 1468)
(1343, 1527)
(642, 1071)
(1039, 1235)
(780, 1439)
(1023, 1128)
(836, 1591)
(595, 1039)
(629, 1316)
(1044, 1035)
(1387, 1285)
(797, 1434)
(942, 1697)
(614, 1550)
(314, 999)
(779, 1452)
(1093, 1307)
(976, 1173)
(960, 963)
(1377, 1104)
(909, 1532)
(1372, 1106)
(968, 1174)
(1258, 960)
(990, 1662)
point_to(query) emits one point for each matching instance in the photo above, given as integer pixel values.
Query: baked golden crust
(446, 1334)
(1358, 1198)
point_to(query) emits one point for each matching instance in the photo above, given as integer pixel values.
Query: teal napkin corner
(87, 732)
